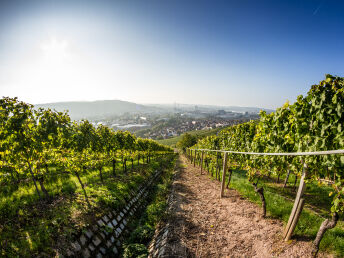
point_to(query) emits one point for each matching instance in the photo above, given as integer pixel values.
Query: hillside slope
(101, 108)
(198, 133)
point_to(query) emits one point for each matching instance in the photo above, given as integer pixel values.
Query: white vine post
(223, 174)
(297, 208)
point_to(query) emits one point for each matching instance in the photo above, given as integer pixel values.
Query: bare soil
(203, 225)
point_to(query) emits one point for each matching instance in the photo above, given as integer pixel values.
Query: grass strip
(142, 229)
(30, 227)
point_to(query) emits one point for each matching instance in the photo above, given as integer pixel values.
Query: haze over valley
(155, 121)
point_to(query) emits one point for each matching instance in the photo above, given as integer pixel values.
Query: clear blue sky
(244, 53)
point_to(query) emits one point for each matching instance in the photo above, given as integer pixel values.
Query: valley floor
(203, 225)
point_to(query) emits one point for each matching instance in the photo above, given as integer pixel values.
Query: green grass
(316, 196)
(30, 227)
(142, 229)
(199, 133)
(279, 207)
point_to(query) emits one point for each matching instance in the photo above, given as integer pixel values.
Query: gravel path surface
(203, 225)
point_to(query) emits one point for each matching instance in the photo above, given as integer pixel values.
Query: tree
(187, 141)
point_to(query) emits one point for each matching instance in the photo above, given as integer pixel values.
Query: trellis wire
(309, 153)
(299, 201)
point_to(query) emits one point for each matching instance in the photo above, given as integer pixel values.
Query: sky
(233, 53)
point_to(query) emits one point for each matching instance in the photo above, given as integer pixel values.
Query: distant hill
(106, 108)
(102, 108)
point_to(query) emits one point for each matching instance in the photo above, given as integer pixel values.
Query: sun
(55, 51)
(56, 65)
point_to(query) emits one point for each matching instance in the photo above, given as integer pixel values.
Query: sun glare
(55, 50)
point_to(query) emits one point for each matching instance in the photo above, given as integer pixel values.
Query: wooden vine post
(217, 165)
(297, 208)
(223, 175)
(202, 162)
(286, 179)
(194, 161)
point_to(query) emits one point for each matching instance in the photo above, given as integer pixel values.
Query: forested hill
(106, 108)
(89, 109)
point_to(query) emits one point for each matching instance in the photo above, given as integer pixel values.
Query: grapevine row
(32, 141)
(313, 123)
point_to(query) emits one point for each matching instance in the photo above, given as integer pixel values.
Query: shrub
(135, 250)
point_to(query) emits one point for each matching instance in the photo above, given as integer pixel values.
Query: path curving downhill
(203, 225)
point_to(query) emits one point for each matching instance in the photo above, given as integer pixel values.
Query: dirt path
(203, 225)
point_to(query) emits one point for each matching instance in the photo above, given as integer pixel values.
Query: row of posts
(193, 158)
(298, 203)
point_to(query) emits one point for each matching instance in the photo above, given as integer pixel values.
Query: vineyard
(285, 145)
(67, 184)
(57, 176)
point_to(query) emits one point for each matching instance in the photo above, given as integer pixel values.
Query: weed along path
(203, 225)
